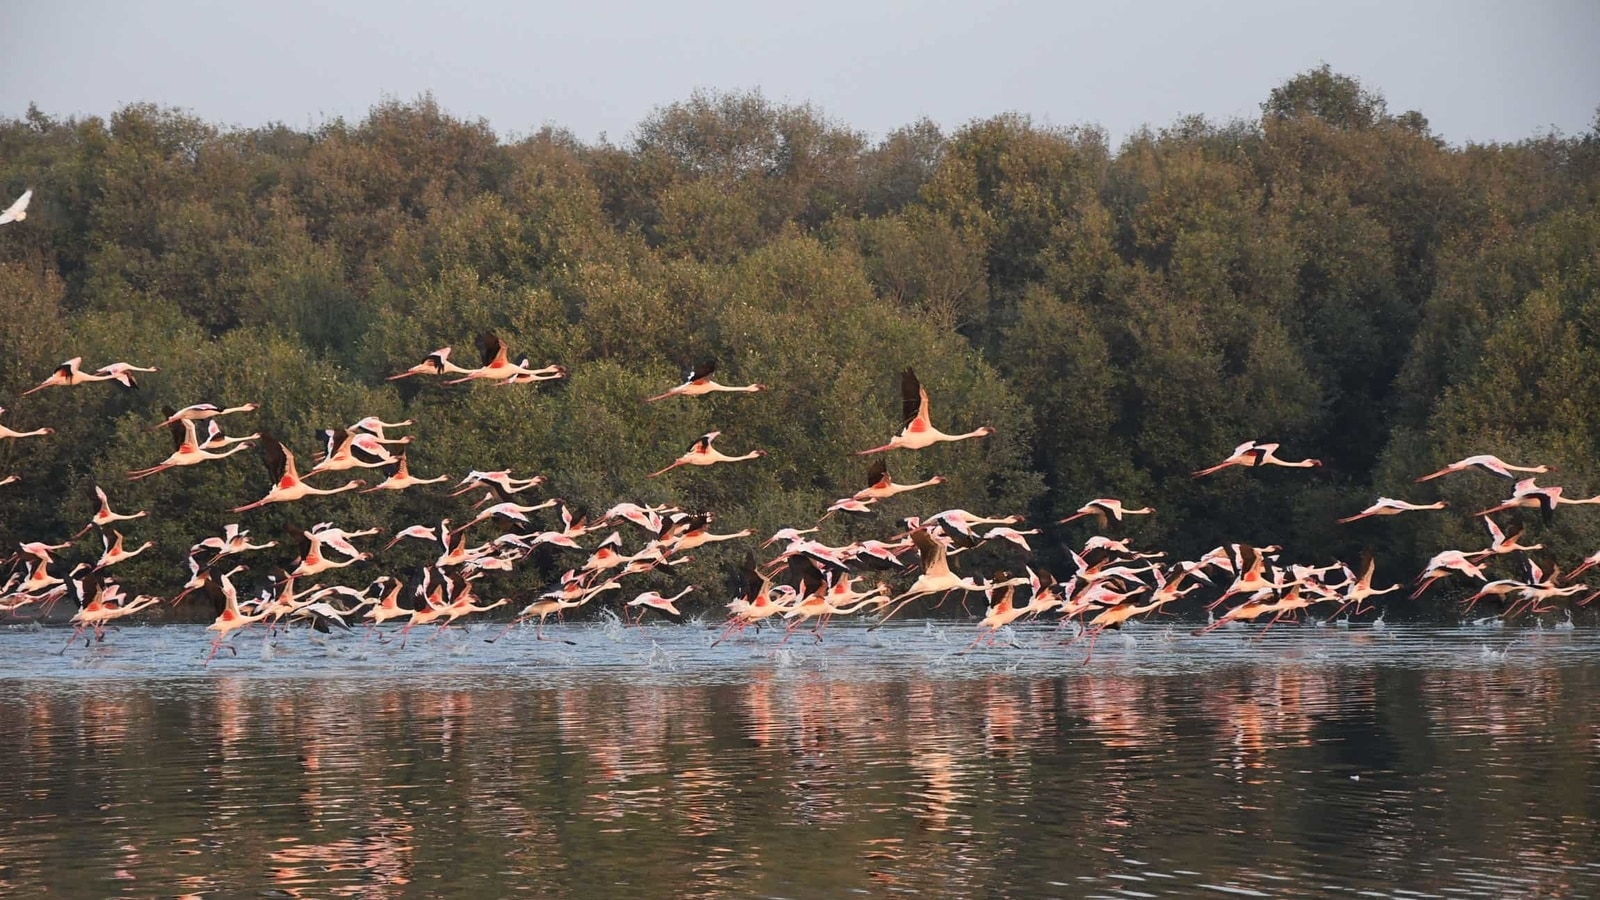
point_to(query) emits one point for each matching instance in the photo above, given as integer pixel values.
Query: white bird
(18, 210)
(1387, 506)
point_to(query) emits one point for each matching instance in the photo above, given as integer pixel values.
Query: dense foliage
(1332, 276)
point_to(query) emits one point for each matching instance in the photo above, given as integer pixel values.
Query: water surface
(646, 762)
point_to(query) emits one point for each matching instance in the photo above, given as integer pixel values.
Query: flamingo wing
(913, 398)
(878, 474)
(702, 371)
(277, 456)
(18, 207)
(491, 349)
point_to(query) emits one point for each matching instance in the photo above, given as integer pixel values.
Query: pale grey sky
(1479, 70)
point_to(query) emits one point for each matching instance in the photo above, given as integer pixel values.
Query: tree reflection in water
(1280, 778)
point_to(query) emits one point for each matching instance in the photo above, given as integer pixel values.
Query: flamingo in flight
(69, 373)
(697, 382)
(881, 485)
(186, 451)
(114, 551)
(374, 426)
(936, 576)
(122, 373)
(8, 434)
(103, 515)
(400, 477)
(1104, 506)
(349, 450)
(18, 210)
(501, 481)
(496, 367)
(529, 376)
(918, 431)
(216, 440)
(1386, 506)
(286, 483)
(225, 599)
(654, 600)
(1255, 453)
(701, 453)
(1487, 463)
(1528, 494)
(202, 411)
(435, 363)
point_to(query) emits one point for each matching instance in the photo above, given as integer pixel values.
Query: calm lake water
(1404, 762)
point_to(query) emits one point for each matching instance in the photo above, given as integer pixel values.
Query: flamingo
(1386, 506)
(936, 576)
(122, 373)
(8, 434)
(1487, 463)
(461, 602)
(286, 483)
(506, 510)
(1360, 588)
(698, 536)
(529, 376)
(701, 453)
(399, 477)
(233, 540)
(1104, 506)
(225, 599)
(435, 363)
(439, 534)
(1528, 494)
(103, 515)
(201, 411)
(1444, 564)
(606, 556)
(186, 452)
(918, 431)
(388, 604)
(18, 210)
(1255, 453)
(98, 603)
(375, 426)
(1020, 538)
(787, 534)
(850, 504)
(754, 602)
(495, 365)
(1499, 544)
(216, 440)
(349, 450)
(114, 552)
(653, 600)
(1000, 612)
(646, 517)
(697, 381)
(312, 561)
(69, 373)
(880, 486)
(501, 481)
(837, 599)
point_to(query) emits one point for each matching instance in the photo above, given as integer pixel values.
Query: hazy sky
(1479, 70)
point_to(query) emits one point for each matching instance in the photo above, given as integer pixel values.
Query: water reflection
(1283, 779)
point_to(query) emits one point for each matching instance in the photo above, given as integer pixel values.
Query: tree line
(1331, 276)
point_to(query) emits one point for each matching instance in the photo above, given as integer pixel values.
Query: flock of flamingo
(805, 584)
